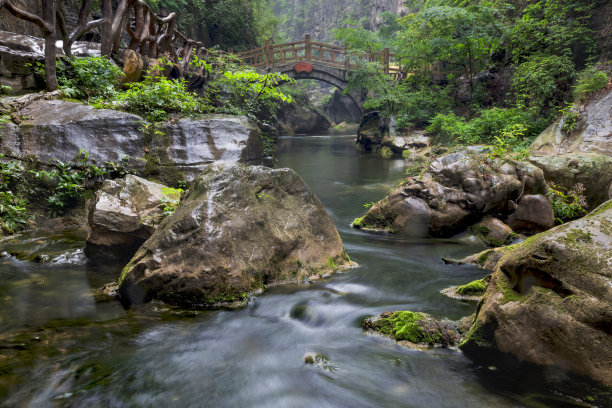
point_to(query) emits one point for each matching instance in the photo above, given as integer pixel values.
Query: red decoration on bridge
(303, 67)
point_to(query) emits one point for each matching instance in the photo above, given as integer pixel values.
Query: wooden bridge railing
(332, 56)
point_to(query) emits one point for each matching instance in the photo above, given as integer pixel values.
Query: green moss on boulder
(549, 300)
(474, 288)
(413, 327)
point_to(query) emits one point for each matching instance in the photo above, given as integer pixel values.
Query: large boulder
(550, 300)
(178, 150)
(342, 108)
(122, 215)
(592, 134)
(56, 129)
(372, 129)
(593, 171)
(583, 156)
(238, 229)
(458, 190)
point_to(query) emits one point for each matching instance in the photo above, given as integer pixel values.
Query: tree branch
(24, 15)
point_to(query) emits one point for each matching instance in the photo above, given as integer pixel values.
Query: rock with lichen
(550, 300)
(414, 329)
(457, 190)
(238, 229)
(493, 232)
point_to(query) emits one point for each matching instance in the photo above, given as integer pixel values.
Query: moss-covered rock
(550, 300)
(413, 327)
(486, 259)
(237, 230)
(458, 190)
(474, 288)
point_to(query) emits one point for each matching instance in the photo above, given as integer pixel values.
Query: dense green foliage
(479, 70)
(230, 88)
(237, 24)
(157, 96)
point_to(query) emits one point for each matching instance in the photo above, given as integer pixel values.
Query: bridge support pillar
(308, 48)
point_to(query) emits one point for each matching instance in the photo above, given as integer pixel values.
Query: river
(59, 347)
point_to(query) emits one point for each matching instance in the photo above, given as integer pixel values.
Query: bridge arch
(333, 76)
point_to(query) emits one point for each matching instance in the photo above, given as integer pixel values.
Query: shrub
(448, 128)
(590, 81)
(155, 97)
(567, 204)
(12, 211)
(489, 127)
(88, 77)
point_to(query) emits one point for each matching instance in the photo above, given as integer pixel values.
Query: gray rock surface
(56, 129)
(533, 214)
(122, 215)
(593, 171)
(341, 108)
(299, 119)
(59, 130)
(237, 230)
(593, 133)
(458, 190)
(17, 51)
(550, 300)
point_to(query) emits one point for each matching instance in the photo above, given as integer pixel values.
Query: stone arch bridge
(313, 60)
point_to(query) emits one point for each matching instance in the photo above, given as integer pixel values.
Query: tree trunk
(107, 30)
(50, 19)
(50, 62)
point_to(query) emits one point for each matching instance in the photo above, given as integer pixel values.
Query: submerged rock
(414, 329)
(486, 259)
(122, 215)
(237, 230)
(458, 190)
(550, 300)
(470, 291)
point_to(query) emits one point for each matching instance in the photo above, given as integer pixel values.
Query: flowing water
(62, 347)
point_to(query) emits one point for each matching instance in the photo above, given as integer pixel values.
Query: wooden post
(268, 52)
(346, 60)
(386, 60)
(308, 48)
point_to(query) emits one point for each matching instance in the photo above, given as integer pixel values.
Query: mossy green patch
(602, 208)
(358, 222)
(404, 325)
(474, 288)
(509, 294)
(331, 263)
(483, 256)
